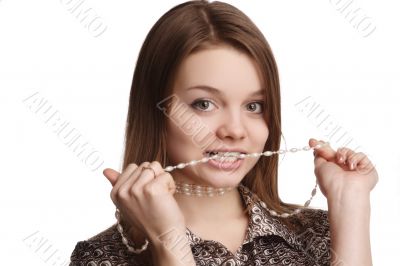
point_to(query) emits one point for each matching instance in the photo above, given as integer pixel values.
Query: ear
(111, 175)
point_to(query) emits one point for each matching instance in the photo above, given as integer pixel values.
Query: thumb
(111, 175)
(323, 154)
(325, 151)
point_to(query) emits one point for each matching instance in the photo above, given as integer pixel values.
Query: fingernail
(340, 159)
(351, 166)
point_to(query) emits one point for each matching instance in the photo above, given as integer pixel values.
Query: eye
(253, 106)
(202, 104)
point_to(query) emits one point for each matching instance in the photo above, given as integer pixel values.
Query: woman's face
(217, 105)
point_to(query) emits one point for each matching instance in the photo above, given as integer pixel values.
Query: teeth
(227, 159)
(224, 154)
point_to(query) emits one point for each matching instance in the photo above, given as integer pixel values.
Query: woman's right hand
(146, 201)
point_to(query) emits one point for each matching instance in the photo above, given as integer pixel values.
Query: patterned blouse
(302, 239)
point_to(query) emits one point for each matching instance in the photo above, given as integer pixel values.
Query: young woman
(206, 82)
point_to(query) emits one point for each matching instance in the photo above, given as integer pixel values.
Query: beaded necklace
(197, 190)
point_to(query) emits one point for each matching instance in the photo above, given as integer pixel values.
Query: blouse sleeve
(85, 253)
(314, 236)
(107, 253)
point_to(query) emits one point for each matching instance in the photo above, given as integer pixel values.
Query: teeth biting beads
(242, 156)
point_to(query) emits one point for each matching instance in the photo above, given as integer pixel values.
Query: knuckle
(346, 150)
(362, 155)
(144, 164)
(352, 155)
(121, 194)
(112, 196)
(135, 191)
(156, 164)
(165, 175)
(149, 189)
(132, 166)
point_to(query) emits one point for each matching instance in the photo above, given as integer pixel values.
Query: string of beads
(198, 190)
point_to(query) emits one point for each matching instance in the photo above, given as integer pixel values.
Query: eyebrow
(218, 92)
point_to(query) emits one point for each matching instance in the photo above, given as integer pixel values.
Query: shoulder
(105, 248)
(311, 227)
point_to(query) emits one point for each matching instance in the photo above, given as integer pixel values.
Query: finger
(365, 165)
(121, 179)
(340, 156)
(111, 175)
(359, 159)
(364, 161)
(125, 189)
(158, 186)
(125, 175)
(325, 151)
(346, 154)
(148, 175)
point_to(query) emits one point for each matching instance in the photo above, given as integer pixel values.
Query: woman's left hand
(342, 171)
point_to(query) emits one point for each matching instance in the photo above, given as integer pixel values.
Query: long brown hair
(185, 29)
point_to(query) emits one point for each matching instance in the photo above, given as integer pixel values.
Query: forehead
(221, 67)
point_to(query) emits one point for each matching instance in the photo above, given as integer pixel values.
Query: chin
(221, 178)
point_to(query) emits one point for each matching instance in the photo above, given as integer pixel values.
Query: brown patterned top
(268, 241)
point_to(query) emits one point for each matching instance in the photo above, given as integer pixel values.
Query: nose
(231, 126)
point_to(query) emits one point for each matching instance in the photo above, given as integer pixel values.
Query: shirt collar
(261, 222)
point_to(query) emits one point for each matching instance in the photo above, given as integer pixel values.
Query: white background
(51, 199)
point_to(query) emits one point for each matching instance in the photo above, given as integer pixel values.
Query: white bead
(314, 191)
(293, 149)
(215, 156)
(205, 159)
(242, 155)
(181, 165)
(124, 240)
(282, 151)
(256, 154)
(169, 168)
(119, 228)
(284, 215)
(306, 148)
(307, 203)
(272, 212)
(268, 153)
(194, 162)
(297, 211)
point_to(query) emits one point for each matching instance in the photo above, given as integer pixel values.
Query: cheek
(260, 137)
(260, 132)
(179, 145)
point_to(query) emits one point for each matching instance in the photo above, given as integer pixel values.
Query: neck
(211, 209)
